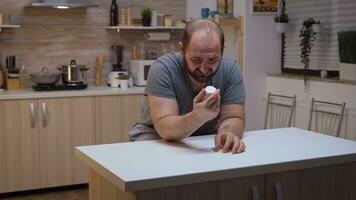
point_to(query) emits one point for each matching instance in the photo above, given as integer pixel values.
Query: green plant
(307, 37)
(283, 17)
(347, 46)
(146, 16)
(124, 77)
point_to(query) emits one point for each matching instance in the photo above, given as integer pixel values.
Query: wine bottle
(114, 11)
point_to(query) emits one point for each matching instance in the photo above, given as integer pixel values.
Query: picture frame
(265, 7)
(225, 8)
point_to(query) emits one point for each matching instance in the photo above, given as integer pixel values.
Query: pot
(45, 77)
(73, 73)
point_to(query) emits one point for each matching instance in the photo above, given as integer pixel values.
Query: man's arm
(172, 126)
(232, 124)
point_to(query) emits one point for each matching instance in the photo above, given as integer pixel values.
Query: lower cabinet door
(64, 124)
(19, 155)
(284, 185)
(327, 183)
(246, 188)
(114, 117)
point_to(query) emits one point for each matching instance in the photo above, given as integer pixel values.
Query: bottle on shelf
(23, 77)
(114, 11)
(134, 54)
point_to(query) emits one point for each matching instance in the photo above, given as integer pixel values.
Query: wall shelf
(118, 28)
(8, 26)
(231, 21)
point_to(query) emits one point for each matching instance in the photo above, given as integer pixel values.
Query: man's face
(202, 56)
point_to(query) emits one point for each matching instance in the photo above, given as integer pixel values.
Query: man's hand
(206, 109)
(228, 141)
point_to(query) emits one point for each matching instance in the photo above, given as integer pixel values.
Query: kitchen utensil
(73, 73)
(99, 62)
(117, 57)
(45, 77)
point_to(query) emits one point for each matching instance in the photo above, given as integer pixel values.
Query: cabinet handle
(33, 115)
(255, 194)
(279, 190)
(45, 114)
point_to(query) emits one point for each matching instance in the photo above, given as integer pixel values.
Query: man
(176, 98)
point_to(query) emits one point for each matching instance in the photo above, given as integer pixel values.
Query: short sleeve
(159, 81)
(234, 90)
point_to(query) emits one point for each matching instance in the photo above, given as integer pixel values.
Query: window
(334, 15)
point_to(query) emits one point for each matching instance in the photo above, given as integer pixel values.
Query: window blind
(334, 15)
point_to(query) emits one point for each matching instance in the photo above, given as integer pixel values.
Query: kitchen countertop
(145, 165)
(90, 91)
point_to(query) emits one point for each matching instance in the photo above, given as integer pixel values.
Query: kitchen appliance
(117, 57)
(47, 81)
(139, 71)
(54, 87)
(62, 4)
(73, 74)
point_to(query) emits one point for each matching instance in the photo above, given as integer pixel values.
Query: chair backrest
(279, 110)
(326, 117)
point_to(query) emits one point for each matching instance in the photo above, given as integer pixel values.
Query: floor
(67, 193)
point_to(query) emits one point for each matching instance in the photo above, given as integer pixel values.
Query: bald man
(176, 103)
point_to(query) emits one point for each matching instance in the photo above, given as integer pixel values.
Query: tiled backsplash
(51, 37)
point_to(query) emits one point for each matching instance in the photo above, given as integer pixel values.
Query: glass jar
(160, 20)
(168, 20)
(129, 17)
(122, 17)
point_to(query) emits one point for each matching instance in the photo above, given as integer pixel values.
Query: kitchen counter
(148, 165)
(90, 91)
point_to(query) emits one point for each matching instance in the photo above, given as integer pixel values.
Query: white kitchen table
(190, 169)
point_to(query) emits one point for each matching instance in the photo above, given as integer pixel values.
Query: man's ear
(181, 48)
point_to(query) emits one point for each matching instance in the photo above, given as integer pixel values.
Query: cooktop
(59, 87)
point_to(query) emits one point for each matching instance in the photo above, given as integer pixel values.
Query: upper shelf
(231, 21)
(8, 26)
(118, 28)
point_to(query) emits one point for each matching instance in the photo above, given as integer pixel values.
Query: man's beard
(196, 74)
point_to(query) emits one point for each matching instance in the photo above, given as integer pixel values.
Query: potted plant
(124, 81)
(282, 20)
(317, 27)
(307, 37)
(146, 15)
(347, 54)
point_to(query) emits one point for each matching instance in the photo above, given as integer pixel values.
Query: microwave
(139, 71)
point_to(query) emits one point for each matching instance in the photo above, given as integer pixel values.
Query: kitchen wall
(51, 37)
(262, 57)
(231, 35)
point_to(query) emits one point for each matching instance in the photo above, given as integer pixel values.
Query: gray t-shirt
(168, 78)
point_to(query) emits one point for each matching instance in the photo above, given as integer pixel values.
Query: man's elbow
(168, 135)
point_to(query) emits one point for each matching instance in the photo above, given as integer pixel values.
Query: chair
(326, 117)
(279, 111)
